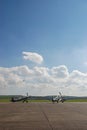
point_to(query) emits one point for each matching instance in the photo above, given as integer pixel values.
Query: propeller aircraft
(20, 98)
(58, 98)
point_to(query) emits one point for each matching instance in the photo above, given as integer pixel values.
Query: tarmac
(43, 116)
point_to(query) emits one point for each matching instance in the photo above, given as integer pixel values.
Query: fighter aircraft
(58, 98)
(20, 98)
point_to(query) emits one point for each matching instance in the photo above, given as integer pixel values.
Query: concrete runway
(43, 116)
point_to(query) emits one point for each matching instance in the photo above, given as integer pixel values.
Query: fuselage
(24, 99)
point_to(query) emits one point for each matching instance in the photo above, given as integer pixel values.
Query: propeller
(27, 94)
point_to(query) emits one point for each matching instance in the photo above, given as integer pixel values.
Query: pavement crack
(45, 116)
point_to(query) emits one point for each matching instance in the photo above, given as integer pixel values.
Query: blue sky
(52, 28)
(55, 29)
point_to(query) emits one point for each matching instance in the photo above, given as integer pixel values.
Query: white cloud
(60, 71)
(42, 80)
(34, 57)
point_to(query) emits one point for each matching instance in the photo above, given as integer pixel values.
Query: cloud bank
(42, 80)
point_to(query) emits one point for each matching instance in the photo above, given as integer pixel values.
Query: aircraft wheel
(26, 101)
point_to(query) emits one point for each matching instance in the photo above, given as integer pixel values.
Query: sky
(43, 47)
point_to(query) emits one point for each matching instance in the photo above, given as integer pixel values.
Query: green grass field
(73, 100)
(4, 98)
(77, 100)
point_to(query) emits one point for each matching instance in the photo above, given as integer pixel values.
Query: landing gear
(25, 101)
